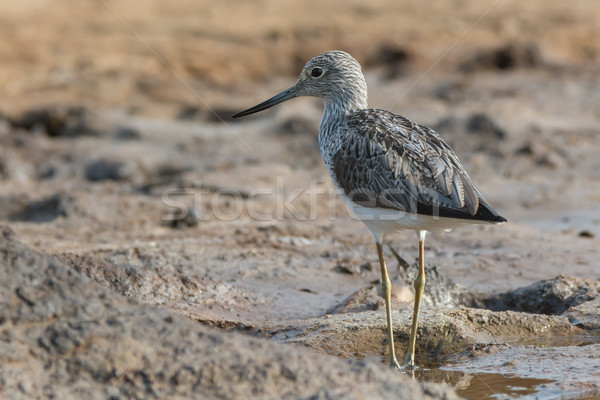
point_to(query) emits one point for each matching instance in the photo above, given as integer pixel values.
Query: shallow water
(498, 386)
(481, 386)
(471, 382)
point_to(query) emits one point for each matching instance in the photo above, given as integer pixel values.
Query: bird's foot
(409, 364)
(394, 364)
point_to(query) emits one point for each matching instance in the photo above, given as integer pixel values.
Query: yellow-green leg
(386, 287)
(409, 362)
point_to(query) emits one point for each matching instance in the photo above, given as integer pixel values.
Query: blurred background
(126, 54)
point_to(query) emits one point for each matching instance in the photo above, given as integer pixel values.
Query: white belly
(384, 220)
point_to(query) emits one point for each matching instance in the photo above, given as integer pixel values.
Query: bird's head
(335, 76)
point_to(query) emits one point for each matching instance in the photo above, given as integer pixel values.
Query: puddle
(532, 372)
(483, 386)
(498, 386)
(558, 369)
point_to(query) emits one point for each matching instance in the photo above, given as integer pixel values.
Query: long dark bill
(280, 98)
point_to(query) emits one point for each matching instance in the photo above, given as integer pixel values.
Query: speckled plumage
(387, 161)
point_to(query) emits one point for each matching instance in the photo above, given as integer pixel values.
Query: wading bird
(394, 174)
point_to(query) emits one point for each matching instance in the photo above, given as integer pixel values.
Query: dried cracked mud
(154, 248)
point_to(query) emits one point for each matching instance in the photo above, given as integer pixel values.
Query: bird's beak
(280, 98)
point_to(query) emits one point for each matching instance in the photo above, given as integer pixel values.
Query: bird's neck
(337, 106)
(351, 97)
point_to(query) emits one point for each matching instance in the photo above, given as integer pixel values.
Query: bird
(392, 173)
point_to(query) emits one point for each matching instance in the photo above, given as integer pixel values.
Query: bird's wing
(388, 161)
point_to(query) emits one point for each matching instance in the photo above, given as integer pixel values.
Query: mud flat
(63, 335)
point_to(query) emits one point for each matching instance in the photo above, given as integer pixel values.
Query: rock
(543, 154)
(127, 133)
(45, 171)
(473, 134)
(350, 267)
(295, 126)
(365, 299)
(64, 336)
(46, 209)
(509, 56)
(585, 315)
(586, 234)
(551, 160)
(177, 221)
(552, 296)
(483, 125)
(395, 60)
(66, 121)
(104, 169)
(391, 55)
(528, 149)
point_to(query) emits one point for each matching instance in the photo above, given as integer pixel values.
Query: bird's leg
(386, 287)
(409, 362)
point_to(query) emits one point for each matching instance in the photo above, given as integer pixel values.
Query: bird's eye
(316, 72)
